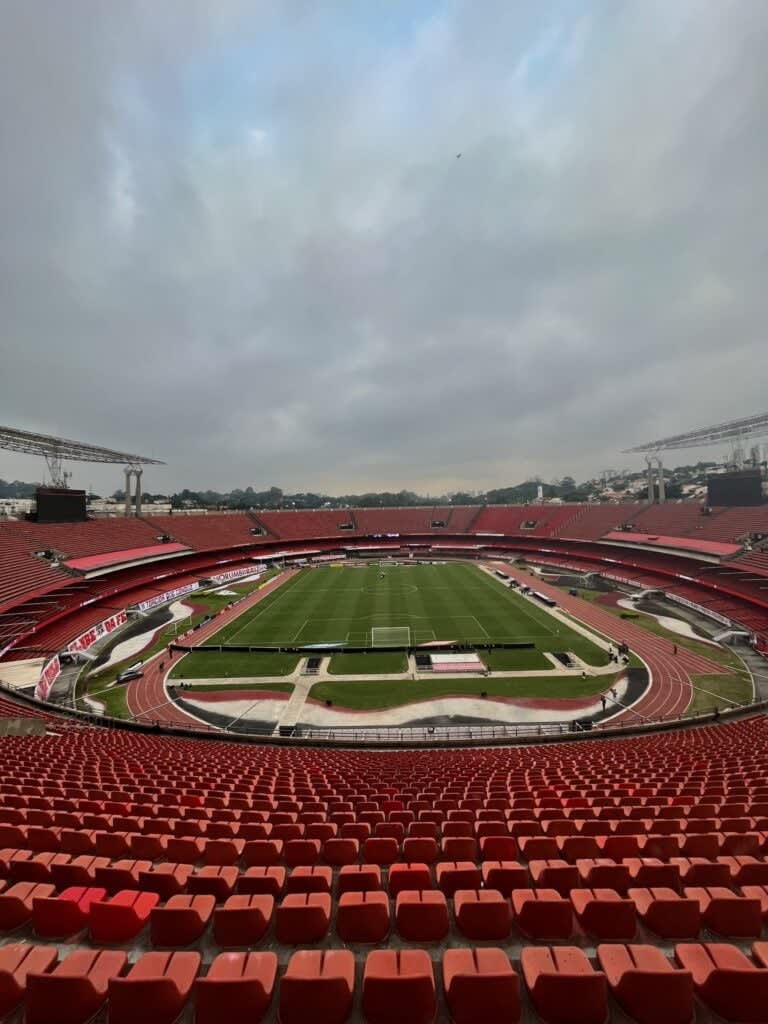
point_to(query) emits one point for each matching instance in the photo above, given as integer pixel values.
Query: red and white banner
(49, 676)
(89, 638)
(153, 602)
(236, 574)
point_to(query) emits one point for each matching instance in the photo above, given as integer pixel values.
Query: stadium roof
(733, 430)
(59, 447)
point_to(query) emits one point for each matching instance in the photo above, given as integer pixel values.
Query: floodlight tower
(735, 432)
(55, 449)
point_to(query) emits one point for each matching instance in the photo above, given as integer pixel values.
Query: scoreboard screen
(60, 505)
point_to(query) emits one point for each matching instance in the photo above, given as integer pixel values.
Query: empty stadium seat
(17, 961)
(363, 916)
(480, 986)
(155, 989)
(243, 919)
(726, 980)
(725, 912)
(121, 918)
(399, 985)
(181, 921)
(17, 901)
(75, 990)
(603, 913)
(408, 876)
(667, 913)
(302, 918)
(59, 917)
(646, 984)
(422, 916)
(564, 987)
(317, 985)
(238, 988)
(482, 913)
(542, 914)
(452, 876)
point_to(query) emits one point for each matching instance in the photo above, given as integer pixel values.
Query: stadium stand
(755, 561)
(512, 520)
(34, 593)
(94, 537)
(401, 520)
(21, 573)
(593, 521)
(302, 525)
(98, 913)
(206, 532)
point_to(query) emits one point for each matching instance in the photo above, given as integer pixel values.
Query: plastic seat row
(353, 845)
(363, 914)
(480, 985)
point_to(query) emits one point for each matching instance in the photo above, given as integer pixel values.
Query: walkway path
(148, 699)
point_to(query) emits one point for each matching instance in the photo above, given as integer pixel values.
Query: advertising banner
(48, 677)
(89, 638)
(158, 599)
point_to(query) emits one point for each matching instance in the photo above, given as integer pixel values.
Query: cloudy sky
(238, 236)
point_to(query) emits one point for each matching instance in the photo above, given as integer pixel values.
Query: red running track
(670, 692)
(147, 697)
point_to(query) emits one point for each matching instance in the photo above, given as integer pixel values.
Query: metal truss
(734, 430)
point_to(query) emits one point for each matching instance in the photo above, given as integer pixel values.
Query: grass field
(453, 602)
(389, 693)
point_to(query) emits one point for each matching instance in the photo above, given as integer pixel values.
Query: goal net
(391, 636)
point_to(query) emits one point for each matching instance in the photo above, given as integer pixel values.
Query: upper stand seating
(94, 537)
(403, 520)
(21, 573)
(546, 520)
(309, 525)
(208, 532)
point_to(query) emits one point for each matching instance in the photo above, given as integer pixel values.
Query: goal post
(391, 636)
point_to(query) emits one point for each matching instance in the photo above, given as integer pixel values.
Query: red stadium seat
(554, 874)
(399, 985)
(302, 918)
(17, 962)
(667, 913)
(726, 980)
(603, 913)
(16, 903)
(75, 990)
(181, 921)
(238, 988)
(243, 919)
(504, 876)
(359, 878)
(646, 984)
(58, 917)
(725, 912)
(268, 881)
(155, 989)
(480, 985)
(452, 876)
(317, 985)
(542, 914)
(121, 918)
(422, 916)
(409, 876)
(482, 913)
(564, 987)
(363, 916)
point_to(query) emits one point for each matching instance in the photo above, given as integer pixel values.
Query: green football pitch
(349, 605)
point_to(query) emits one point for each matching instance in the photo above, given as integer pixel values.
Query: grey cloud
(237, 236)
